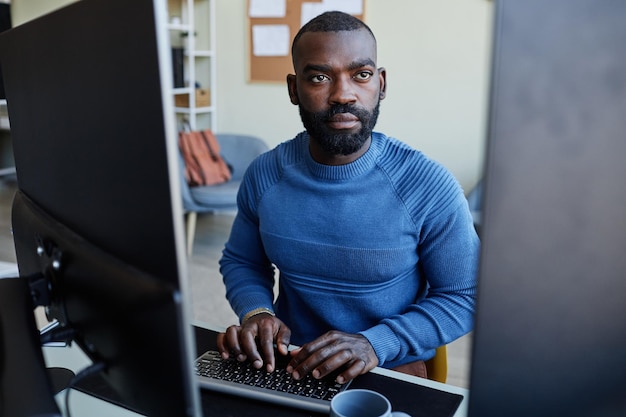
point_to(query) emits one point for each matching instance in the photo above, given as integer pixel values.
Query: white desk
(5, 127)
(82, 405)
(4, 116)
(8, 269)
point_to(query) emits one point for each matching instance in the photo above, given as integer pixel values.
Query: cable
(88, 371)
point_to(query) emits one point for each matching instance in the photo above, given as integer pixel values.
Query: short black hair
(331, 22)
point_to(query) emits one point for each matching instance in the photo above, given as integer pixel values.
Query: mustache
(335, 109)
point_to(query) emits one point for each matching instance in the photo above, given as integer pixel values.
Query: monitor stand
(60, 379)
(23, 374)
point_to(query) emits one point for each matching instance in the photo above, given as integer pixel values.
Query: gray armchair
(238, 151)
(475, 201)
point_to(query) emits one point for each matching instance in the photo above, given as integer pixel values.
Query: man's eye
(363, 75)
(319, 78)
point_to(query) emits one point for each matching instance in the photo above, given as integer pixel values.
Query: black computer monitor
(550, 331)
(98, 211)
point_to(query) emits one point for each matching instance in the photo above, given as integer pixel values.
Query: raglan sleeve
(247, 273)
(448, 250)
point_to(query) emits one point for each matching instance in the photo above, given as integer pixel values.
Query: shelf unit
(191, 24)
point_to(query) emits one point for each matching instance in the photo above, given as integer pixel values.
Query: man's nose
(342, 91)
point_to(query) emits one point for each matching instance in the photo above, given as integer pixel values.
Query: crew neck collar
(343, 172)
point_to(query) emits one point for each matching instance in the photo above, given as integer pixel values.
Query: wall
(25, 10)
(437, 56)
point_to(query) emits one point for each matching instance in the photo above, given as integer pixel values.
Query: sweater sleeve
(448, 259)
(247, 272)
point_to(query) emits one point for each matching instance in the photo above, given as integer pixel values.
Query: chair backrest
(437, 367)
(188, 202)
(239, 151)
(475, 202)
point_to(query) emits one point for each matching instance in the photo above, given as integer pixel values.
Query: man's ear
(382, 76)
(292, 88)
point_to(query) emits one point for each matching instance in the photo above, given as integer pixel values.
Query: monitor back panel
(550, 331)
(93, 130)
(87, 125)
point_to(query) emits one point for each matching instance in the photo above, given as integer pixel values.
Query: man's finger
(247, 338)
(266, 344)
(283, 338)
(228, 342)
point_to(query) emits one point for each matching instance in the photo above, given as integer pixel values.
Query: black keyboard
(242, 379)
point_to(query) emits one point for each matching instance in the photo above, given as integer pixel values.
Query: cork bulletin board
(272, 25)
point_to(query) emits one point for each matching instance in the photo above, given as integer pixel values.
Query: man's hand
(332, 351)
(259, 333)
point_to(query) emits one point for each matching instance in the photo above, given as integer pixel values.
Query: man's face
(337, 88)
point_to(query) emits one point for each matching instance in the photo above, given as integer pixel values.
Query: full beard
(336, 142)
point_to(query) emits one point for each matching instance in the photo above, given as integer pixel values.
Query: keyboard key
(241, 378)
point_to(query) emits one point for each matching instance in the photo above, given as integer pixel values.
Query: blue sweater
(384, 246)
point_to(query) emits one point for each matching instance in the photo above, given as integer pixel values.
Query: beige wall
(436, 53)
(25, 10)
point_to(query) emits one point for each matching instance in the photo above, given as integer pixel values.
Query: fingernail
(289, 369)
(316, 374)
(340, 379)
(257, 363)
(295, 375)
